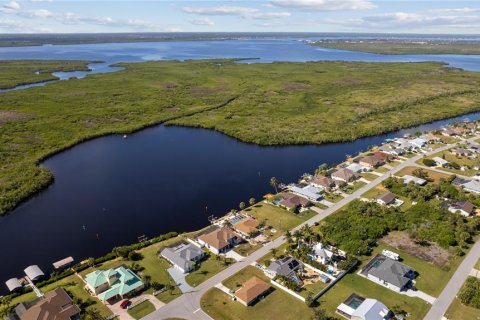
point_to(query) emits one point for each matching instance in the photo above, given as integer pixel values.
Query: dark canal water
(158, 180)
(163, 178)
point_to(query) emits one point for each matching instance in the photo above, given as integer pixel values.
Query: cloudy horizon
(356, 16)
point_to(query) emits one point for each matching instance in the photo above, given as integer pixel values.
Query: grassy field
(75, 287)
(434, 175)
(281, 219)
(462, 161)
(320, 102)
(369, 176)
(14, 73)
(246, 248)
(403, 47)
(141, 310)
(277, 305)
(459, 311)
(353, 283)
(208, 268)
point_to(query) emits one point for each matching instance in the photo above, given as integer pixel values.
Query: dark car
(124, 304)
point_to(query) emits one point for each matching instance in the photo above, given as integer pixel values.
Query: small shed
(13, 284)
(63, 263)
(34, 272)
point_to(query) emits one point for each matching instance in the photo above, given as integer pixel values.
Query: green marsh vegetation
(268, 104)
(403, 47)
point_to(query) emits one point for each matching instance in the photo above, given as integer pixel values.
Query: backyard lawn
(431, 278)
(434, 175)
(462, 161)
(459, 311)
(141, 310)
(281, 219)
(276, 305)
(208, 268)
(245, 249)
(75, 287)
(353, 283)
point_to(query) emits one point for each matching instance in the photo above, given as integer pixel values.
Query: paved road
(453, 286)
(187, 306)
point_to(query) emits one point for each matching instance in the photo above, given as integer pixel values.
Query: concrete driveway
(179, 279)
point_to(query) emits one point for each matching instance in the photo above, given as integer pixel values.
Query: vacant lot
(281, 103)
(459, 311)
(434, 175)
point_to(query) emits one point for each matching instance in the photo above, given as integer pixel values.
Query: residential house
(418, 143)
(462, 152)
(183, 256)
(371, 161)
(326, 183)
(389, 273)
(322, 253)
(344, 175)
(54, 305)
(472, 186)
(465, 208)
(386, 199)
(113, 283)
(356, 167)
(449, 132)
(408, 178)
(359, 308)
(219, 240)
(430, 138)
(286, 267)
(309, 192)
(247, 227)
(440, 162)
(251, 291)
(291, 201)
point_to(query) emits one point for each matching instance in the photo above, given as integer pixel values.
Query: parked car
(124, 304)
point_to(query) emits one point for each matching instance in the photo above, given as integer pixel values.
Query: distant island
(261, 103)
(402, 46)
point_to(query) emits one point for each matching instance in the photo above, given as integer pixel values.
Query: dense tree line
(470, 293)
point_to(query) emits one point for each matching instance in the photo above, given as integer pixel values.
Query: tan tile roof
(247, 225)
(251, 289)
(219, 238)
(56, 305)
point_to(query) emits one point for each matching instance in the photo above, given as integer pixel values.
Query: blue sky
(406, 16)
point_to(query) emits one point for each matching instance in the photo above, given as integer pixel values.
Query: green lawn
(374, 192)
(281, 219)
(332, 197)
(277, 305)
(245, 249)
(73, 285)
(369, 176)
(141, 310)
(208, 268)
(477, 265)
(269, 256)
(431, 279)
(434, 175)
(349, 189)
(312, 288)
(463, 161)
(281, 103)
(459, 311)
(353, 283)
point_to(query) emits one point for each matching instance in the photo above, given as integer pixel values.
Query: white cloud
(10, 7)
(19, 26)
(324, 5)
(202, 22)
(244, 12)
(41, 0)
(72, 18)
(456, 10)
(41, 13)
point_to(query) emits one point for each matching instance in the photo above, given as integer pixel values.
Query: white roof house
(418, 142)
(408, 178)
(358, 308)
(439, 161)
(310, 192)
(34, 272)
(355, 167)
(370, 309)
(472, 186)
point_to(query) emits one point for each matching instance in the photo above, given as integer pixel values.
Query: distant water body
(263, 50)
(163, 178)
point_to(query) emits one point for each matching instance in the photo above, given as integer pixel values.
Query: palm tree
(274, 183)
(274, 252)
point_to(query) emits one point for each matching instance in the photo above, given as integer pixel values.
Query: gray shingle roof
(391, 271)
(182, 255)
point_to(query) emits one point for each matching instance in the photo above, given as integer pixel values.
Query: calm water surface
(163, 178)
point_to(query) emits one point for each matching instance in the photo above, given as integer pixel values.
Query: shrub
(429, 162)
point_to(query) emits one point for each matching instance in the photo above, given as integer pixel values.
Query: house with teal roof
(113, 283)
